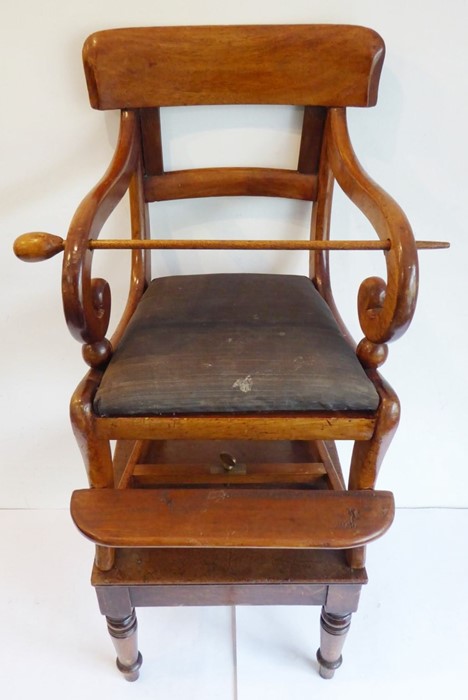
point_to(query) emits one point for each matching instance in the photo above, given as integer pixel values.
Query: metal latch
(228, 464)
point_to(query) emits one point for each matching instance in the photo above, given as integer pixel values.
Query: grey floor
(409, 636)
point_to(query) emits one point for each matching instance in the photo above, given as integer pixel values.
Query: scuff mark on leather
(244, 385)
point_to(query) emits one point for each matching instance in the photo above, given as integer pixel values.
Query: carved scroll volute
(385, 308)
(87, 301)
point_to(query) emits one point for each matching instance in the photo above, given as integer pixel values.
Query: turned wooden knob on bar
(35, 247)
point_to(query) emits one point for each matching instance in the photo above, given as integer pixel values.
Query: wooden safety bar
(223, 517)
(35, 247)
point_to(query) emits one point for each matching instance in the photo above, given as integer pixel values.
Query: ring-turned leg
(124, 637)
(333, 631)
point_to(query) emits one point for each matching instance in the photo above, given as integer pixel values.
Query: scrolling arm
(86, 300)
(385, 308)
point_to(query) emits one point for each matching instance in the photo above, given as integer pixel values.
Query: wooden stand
(157, 564)
(166, 577)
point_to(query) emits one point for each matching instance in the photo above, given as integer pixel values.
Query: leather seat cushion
(233, 343)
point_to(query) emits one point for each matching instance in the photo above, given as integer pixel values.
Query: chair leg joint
(122, 628)
(335, 624)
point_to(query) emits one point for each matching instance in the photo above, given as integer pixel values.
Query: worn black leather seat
(233, 342)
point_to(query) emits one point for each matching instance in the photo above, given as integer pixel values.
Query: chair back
(315, 66)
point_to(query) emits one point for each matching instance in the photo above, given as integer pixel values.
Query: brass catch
(228, 464)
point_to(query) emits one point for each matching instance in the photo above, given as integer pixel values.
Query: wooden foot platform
(223, 517)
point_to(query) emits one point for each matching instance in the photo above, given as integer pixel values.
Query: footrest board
(232, 517)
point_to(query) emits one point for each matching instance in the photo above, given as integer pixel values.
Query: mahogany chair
(225, 393)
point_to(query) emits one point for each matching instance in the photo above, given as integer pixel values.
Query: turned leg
(124, 637)
(333, 631)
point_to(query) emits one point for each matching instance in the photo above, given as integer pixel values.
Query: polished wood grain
(210, 594)
(249, 244)
(126, 477)
(313, 125)
(151, 141)
(175, 566)
(232, 518)
(256, 426)
(385, 307)
(280, 64)
(367, 456)
(121, 454)
(320, 229)
(260, 475)
(104, 557)
(333, 631)
(96, 453)
(222, 182)
(328, 455)
(250, 452)
(123, 632)
(30, 252)
(218, 576)
(87, 301)
(140, 269)
(37, 246)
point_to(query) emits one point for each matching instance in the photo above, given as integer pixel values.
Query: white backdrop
(54, 148)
